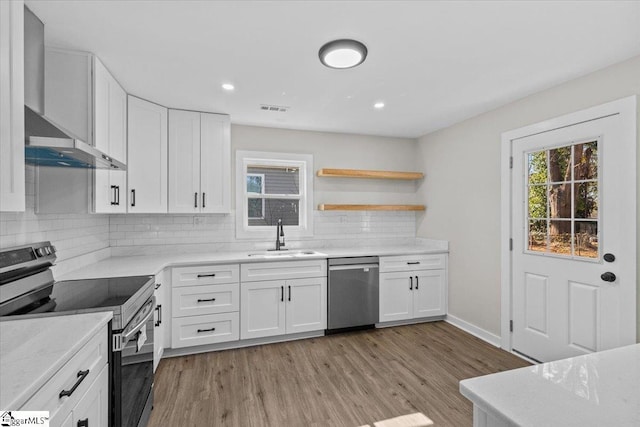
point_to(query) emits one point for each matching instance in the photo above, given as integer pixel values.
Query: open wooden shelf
(328, 207)
(360, 173)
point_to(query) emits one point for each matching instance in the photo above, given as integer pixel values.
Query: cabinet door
(306, 302)
(147, 157)
(396, 297)
(159, 321)
(184, 161)
(215, 163)
(262, 309)
(92, 409)
(12, 193)
(429, 293)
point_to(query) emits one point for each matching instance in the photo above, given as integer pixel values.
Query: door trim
(627, 108)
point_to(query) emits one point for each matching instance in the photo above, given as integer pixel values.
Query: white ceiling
(432, 63)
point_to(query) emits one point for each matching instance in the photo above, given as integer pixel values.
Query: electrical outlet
(197, 220)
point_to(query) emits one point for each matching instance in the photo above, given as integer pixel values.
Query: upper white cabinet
(12, 195)
(84, 98)
(147, 157)
(199, 162)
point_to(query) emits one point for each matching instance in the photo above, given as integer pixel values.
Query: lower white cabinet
(205, 305)
(278, 307)
(79, 390)
(412, 287)
(159, 323)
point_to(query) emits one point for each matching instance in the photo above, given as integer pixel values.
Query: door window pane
(586, 239)
(563, 200)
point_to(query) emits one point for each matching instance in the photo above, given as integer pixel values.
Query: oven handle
(120, 340)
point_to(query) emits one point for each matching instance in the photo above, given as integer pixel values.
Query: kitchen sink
(285, 254)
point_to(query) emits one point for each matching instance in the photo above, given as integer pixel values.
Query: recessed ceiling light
(344, 53)
(379, 105)
(228, 86)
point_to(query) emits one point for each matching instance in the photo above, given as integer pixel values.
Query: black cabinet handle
(206, 330)
(133, 197)
(158, 285)
(416, 283)
(195, 200)
(281, 293)
(113, 195)
(83, 423)
(410, 283)
(81, 376)
(203, 205)
(206, 299)
(159, 310)
(117, 195)
(289, 293)
(207, 275)
(413, 263)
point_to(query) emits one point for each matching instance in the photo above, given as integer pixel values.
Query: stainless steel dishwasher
(353, 293)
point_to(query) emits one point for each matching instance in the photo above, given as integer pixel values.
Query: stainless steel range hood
(46, 143)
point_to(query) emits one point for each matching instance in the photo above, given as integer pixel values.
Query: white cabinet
(286, 305)
(12, 178)
(204, 305)
(413, 287)
(83, 97)
(159, 323)
(84, 383)
(199, 162)
(110, 136)
(147, 157)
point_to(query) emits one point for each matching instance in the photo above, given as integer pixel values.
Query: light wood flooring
(338, 380)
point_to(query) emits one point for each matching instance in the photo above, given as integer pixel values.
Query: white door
(306, 305)
(147, 157)
(184, 161)
(573, 228)
(429, 298)
(262, 309)
(396, 296)
(215, 163)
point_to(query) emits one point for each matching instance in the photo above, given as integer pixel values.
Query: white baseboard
(473, 330)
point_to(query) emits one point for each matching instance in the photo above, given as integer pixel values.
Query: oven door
(132, 369)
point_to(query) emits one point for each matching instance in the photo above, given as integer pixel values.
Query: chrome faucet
(279, 234)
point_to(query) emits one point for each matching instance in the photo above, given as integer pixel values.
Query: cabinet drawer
(207, 329)
(204, 275)
(283, 270)
(92, 356)
(413, 262)
(205, 299)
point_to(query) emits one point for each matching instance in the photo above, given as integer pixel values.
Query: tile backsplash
(81, 236)
(72, 234)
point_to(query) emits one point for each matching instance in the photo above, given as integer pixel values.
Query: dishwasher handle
(352, 267)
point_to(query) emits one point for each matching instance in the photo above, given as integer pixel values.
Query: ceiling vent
(276, 108)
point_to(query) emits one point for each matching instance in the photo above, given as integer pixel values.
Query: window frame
(304, 162)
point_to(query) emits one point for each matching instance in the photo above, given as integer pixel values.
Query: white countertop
(142, 265)
(599, 389)
(33, 350)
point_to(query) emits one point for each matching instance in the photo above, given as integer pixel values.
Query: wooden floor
(339, 380)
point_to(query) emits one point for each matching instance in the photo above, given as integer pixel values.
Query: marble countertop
(142, 265)
(599, 389)
(33, 350)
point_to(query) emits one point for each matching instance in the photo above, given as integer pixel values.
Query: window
(272, 187)
(562, 194)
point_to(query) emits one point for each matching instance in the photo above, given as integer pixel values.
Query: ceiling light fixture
(379, 105)
(228, 86)
(344, 53)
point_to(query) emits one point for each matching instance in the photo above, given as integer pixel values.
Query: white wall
(462, 185)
